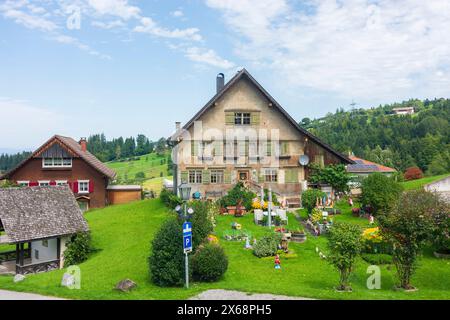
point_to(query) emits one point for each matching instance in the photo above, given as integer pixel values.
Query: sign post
(187, 247)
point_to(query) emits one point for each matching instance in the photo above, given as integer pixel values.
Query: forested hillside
(398, 141)
(8, 161)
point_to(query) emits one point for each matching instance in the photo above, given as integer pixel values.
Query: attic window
(242, 118)
(56, 162)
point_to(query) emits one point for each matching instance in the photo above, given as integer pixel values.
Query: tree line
(122, 148)
(103, 149)
(399, 141)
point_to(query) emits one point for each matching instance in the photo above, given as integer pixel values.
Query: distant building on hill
(403, 110)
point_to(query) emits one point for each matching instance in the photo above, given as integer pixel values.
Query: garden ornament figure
(277, 262)
(371, 219)
(350, 201)
(247, 243)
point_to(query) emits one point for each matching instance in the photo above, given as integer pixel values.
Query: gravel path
(220, 294)
(13, 295)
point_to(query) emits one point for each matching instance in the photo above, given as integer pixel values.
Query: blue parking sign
(187, 228)
(187, 243)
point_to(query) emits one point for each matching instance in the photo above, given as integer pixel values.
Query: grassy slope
(419, 183)
(150, 164)
(155, 184)
(123, 234)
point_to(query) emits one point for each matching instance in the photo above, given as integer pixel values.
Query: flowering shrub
(372, 234)
(213, 239)
(374, 242)
(256, 204)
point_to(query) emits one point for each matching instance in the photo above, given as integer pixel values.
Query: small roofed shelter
(119, 194)
(44, 218)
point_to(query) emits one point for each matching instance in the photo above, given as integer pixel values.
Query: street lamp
(185, 191)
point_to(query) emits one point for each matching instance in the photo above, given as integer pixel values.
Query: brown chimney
(83, 144)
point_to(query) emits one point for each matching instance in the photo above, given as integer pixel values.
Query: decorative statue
(350, 201)
(277, 262)
(247, 243)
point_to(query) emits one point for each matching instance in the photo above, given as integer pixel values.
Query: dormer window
(56, 162)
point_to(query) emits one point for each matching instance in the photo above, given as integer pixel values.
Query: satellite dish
(304, 160)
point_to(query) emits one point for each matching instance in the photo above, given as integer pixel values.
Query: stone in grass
(125, 285)
(19, 277)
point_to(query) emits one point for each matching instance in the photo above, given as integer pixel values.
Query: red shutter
(75, 186)
(33, 184)
(91, 186)
(53, 183)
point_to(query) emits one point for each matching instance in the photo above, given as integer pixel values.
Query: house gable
(243, 92)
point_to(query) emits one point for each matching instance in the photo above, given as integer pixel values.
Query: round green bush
(78, 249)
(309, 198)
(209, 263)
(267, 246)
(167, 259)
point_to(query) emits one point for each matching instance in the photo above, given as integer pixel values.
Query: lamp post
(185, 192)
(269, 207)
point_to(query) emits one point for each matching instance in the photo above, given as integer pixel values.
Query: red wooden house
(62, 160)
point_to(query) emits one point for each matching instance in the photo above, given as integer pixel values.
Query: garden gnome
(350, 201)
(277, 262)
(371, 219)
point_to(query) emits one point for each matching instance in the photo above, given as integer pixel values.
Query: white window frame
(61, 182)
(240, 116)
(44, 182)
(217, 176)
(23, 183)
(273, 175)
(79, 186)
(53, 165)
(197, 176)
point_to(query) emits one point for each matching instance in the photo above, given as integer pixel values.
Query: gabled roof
(73, 147)
(365, 166)
(244, 73)
(40, 212)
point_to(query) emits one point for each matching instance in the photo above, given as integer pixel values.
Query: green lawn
(419, 183)
(123, 233)
(155, 184)
(149, 164)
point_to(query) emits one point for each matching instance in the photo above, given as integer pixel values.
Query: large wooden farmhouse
(243, 134)
(60, 161)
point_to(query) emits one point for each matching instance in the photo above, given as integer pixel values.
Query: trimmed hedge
(267, 246)
(209, 263)
(78, 249)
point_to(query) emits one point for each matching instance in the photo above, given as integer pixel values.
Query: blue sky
(134, 67)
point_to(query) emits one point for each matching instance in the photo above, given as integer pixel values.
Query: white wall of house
(64, 241)
(442, 185)
(46, 250)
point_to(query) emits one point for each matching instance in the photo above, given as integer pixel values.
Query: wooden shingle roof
(40, 212)
(75, 149)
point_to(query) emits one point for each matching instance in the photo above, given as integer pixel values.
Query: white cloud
(108, 25)
(208, 56)
(177, 13)
(30, 21)
(151, 27)
(356, 48)
(65, 39)
(119, 8)
(37, 121)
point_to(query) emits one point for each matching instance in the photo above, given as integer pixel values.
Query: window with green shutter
(269, 148)
(291, 176)
(255, 118)
(218, 148)
(206, 176)
(184, 176)
(194, 148)
(284, 148)
(227, 177)
(229, 118)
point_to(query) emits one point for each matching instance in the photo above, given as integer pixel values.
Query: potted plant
(298, 235)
